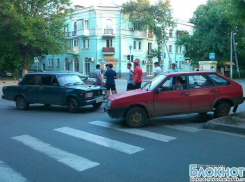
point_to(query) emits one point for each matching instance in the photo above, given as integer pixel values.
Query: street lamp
(130, 47)
(36, 62)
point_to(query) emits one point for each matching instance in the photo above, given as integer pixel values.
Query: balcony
(83, 32)
(140, 34)
(108, 50)
(108, 33)
(74, 51)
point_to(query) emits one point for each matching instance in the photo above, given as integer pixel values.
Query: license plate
(99, 100)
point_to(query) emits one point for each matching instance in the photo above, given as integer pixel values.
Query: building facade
(101, 33)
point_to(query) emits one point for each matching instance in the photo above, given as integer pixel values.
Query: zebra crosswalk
(80, 163)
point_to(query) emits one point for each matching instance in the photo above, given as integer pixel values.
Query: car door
(50, 91)
(202, 92)
(30, 88)
(172, 99)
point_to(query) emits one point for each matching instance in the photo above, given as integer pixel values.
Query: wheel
(47, 105)
(97, 105)
(203, 113)
(73, 105)
(136, 117)
(223, 109)
(21, 103)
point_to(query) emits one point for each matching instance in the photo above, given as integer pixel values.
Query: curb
(223, 127)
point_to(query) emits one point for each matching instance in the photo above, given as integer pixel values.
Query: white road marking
(74, 161)
(143, 133)
(106, 142)
(182, 128)
(7, 174)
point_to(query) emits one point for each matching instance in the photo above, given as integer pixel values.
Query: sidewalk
(234, 123)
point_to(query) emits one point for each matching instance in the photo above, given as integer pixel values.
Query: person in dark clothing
(110, 76)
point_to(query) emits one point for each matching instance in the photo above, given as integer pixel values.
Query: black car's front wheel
(97, 105)
(73, 105)
(136, 117)
(21, 103)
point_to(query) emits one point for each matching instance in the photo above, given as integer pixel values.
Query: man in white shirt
(157, 70)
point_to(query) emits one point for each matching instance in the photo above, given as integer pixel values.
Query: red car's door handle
(184, 93)
(214, 91)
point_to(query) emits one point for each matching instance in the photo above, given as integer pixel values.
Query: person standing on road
(157, 70)
(212, 69)
(174, 68)
(137, 75)
(130, 85)
(110, 76)
(98, 78)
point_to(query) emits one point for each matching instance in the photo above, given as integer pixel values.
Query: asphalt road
(49, 144)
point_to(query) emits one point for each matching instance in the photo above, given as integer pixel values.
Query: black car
(66, 89)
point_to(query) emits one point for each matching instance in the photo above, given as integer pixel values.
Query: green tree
(212, 32)
(30, 28)
(155, 18)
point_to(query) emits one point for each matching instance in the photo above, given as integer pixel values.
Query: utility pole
(163, 49)
(234, 45)
(231, 58)
(167, 51)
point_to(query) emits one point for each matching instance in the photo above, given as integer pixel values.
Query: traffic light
(132, 58)
(128, 57)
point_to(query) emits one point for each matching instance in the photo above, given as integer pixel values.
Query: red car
(177, 93)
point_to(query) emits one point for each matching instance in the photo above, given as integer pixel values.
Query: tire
(73, 105)
(21, 103)
(47, 105)
(203, 113)
(97, 105)
(223, 109)
(136, 117)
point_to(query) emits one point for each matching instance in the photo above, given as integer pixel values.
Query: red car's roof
(190, 72)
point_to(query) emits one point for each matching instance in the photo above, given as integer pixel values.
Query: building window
(82, 24)
(67, 64)
(139, 45)
(134, 44)
(170, 48)
(75, 26)
(149, 48)
(179, 34)
(171, 33)
(50, 62)
(86, 24)
(137, 26)
(178, 49)
(58, 63)
(75, 43)
(76, 65)
(85, 43)
(108, 42)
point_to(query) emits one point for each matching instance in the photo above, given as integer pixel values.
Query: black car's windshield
(69, 80)
(154, 82)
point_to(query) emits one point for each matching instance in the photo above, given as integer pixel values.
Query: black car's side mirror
(158, 90)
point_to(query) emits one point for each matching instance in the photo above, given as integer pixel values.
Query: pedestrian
(174, 68)
(157, 70)
(110, 76)
(197, 69)
(137, 75)
(98, 78)
(102, 75)
(130, 85)
(212, 69)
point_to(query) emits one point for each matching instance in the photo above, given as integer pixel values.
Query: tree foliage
(213, 27)
(156, 17)
(30, 28)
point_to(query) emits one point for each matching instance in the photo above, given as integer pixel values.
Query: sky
(182, 9)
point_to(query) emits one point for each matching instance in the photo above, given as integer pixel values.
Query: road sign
(211, 55)
(103, 61)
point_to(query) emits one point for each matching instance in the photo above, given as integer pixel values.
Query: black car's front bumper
(115, 112)
(92, 101)
(4, 97)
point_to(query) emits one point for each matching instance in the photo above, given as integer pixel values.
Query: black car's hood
(85, 87)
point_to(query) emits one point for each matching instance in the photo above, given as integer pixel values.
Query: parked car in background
(65, 89)
(177, 93)
(5, 74)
